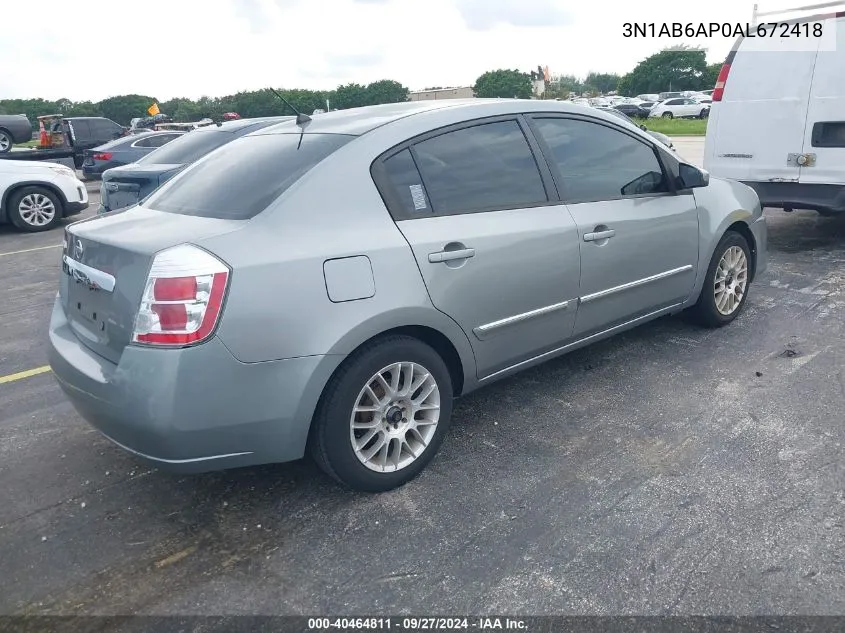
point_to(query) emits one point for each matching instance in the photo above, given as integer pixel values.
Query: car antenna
(301, 119)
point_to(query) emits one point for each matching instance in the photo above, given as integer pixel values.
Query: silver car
(331, 285)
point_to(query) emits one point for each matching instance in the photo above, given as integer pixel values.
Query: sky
(93, 49)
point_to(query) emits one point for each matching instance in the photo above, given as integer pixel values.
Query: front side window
(480, 168)
(597, 162)
(242, 181)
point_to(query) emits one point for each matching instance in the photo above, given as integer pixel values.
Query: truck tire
(6, 141)
(34, 209)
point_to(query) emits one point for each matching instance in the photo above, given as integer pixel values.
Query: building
(442, 93)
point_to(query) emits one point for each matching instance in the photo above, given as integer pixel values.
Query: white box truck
(777, 121)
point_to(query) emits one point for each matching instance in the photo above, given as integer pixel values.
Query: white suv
(35, 195)
(680, 107)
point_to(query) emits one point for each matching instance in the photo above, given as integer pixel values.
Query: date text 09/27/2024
(416, 624)
(723, 29)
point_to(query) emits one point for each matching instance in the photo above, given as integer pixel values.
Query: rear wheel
(726, 284)
(703, 114)
(6, 142)
(34, 209)
(667, 115)
(383, 415)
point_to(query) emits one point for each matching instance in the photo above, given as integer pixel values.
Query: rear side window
(408, 187)
(597, 162)
(480, 168)
(242, 181)
(188, 148)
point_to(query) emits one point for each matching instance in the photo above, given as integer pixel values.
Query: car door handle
(448, 256)
(599, 235)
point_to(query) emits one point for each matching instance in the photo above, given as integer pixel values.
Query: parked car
(649, 97)
(66, 138)
(702, 99)
(679, 108)
(124, 186)
(669, 95)
(657, 135)
(778, 120)
(709, 93)
(14, 129)
(632, 110)
(35, 196)
(123, 151)
(245, 313)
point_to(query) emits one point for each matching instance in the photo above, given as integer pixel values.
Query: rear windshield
(187, 148)
(241, 181)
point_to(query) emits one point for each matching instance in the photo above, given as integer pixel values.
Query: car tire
(729, 272)
(703, 114)
(667, 115)
(34, 209)
(366, 432)
(6, 141)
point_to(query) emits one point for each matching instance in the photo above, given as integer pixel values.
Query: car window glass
(484, 167)
(243, 180)
(597, 162)
(403, 176)
(81, 129)
(188, 147)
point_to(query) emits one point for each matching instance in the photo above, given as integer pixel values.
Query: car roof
(240, 124)
(359, 121)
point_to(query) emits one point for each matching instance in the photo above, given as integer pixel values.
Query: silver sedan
(330, 285)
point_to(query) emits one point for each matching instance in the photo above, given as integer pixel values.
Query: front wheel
(667, 115)
(34, 209)
(383, 415)
(703, 114)
(726, 283)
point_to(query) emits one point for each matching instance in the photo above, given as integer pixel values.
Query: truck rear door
(824, 135)
(759, 121)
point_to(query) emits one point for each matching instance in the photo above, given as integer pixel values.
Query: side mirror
(692, 177)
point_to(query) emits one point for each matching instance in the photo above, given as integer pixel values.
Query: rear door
(639, 237)
(757, 130)
(824, 135)
(497, 252)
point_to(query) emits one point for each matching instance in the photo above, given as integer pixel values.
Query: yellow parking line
(24, 374)
(30, 250)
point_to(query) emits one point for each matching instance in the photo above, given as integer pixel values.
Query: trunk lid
(105, 263)
(124, 186)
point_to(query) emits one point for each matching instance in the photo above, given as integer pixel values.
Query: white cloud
(191, 48)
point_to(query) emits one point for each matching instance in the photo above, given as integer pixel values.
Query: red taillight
(184, 309)
(175, 289)
(102, 156)
(720, 82)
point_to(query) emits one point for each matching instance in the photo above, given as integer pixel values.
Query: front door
(497, 254)
(639, 238)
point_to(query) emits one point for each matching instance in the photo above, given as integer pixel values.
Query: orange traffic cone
(43, 140)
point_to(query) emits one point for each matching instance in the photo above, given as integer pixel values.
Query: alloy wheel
(731, 280)
(36, 209)
(395, 417)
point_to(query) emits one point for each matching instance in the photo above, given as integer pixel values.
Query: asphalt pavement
(670, 470)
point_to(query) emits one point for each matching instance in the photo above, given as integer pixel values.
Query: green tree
(603, 82)
(386, 91)
(711, 74)
(350, 95)
(504, 84)
(678, 68)
(124, 108)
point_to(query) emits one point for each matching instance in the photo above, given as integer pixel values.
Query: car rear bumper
(194, 409)
(799, 195)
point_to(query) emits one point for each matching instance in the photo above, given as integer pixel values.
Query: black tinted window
(243, 180)
(488, 166)
(156, 140)
(188, 148)
(600, 163)
(403, 176)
